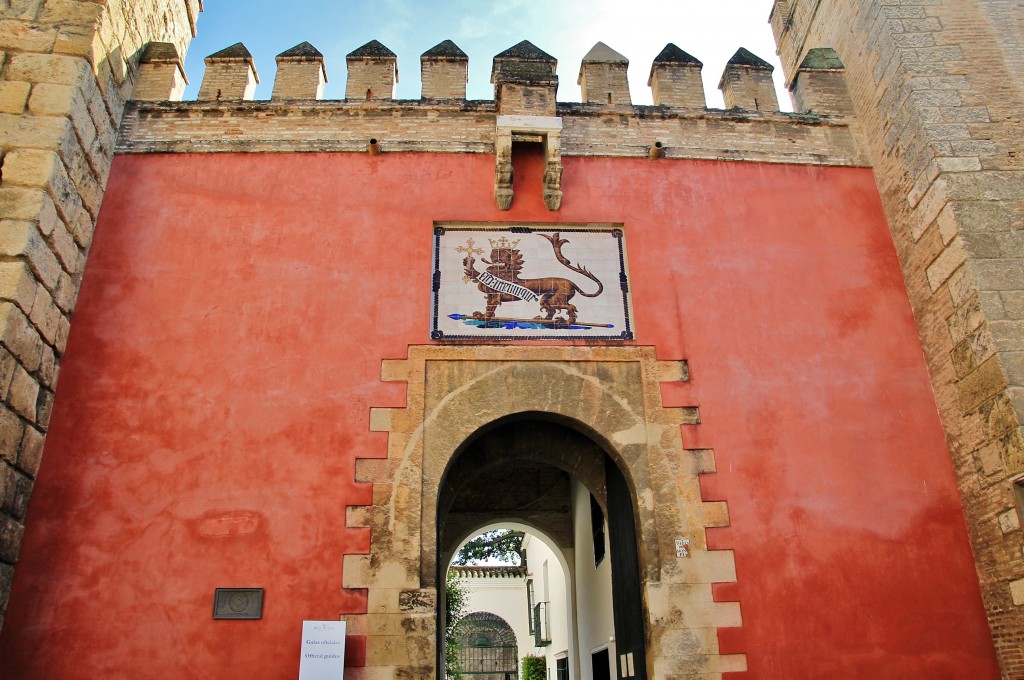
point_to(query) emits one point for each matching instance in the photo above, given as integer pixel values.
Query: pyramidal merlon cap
(745, 57)
(824, 58)
(302, 51)
(236, 51)
(602, 54)
(160, 52)
(673, 55)
(526, 51)
(445, 50)
(371, 50)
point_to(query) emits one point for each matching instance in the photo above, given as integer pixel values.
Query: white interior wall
(596, 627)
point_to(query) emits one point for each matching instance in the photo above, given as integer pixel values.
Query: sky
(711, 30)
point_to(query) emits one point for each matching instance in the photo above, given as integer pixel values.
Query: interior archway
(540, 471)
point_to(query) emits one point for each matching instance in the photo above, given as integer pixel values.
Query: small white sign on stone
(323, 650)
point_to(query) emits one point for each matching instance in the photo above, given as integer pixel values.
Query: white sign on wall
(323, 650)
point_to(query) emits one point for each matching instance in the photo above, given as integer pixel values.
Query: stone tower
(936, 91)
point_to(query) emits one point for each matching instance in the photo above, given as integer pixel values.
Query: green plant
(454, 609)
(500, 545)
(534, 668)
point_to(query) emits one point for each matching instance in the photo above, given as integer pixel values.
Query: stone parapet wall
(66, 70)
(469, 127)
(939, 112)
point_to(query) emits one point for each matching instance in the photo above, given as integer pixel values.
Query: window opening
(597, 526)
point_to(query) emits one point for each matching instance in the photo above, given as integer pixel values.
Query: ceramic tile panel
(530, 282)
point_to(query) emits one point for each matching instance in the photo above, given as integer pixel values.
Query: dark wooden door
(627, 598)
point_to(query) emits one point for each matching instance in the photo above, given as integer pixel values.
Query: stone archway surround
(613, 395)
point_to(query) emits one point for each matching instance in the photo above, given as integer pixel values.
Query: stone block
(22, 239)
(50, 99)
(711, 566)
(63, 330)
(1008, 335)
(399, 650)
(36, 132)
(355, 570)
(12, 430)
(48, 68)
(380, 419)
(22, 394)
(48, 368)
(400, 624)
(1001, 274)
(64, 247)
(20, 337)
(1012, 303)
(991, 459)
(984, 382)
(965, 319)
(24, 36)
(702, 460)
(1017, 592)
(34, 168)
(83, 229)
(961, 286)
(63, 12)
(7, 365)
(973, 351)
(18, 285)
(30, 205)
(80, 41)
(44, 408)
(1009, 521)
(13, 96)
(31, 453)
(716, 514)
(45, 315)
(394, 370)
(374, 470)
(980, 246)
(11, 534)
(6, 577)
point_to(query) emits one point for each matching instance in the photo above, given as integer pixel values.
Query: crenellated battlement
(524, 110)
(524, 70)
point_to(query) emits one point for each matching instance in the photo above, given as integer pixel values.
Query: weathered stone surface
(595, 388)
(944, 152)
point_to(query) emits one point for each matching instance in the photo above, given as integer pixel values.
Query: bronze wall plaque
(238, 603)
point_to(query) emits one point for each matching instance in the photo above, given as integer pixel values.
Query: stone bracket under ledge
(547, 129)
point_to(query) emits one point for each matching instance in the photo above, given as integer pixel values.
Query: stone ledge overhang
(467, 126)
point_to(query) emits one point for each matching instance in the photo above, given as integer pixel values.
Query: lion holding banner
(500, 282)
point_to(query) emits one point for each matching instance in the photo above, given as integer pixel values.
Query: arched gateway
(476, 404)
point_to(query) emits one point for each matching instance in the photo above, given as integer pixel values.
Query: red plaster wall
(226, 351)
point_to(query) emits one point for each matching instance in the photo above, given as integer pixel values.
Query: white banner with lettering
(323, 650)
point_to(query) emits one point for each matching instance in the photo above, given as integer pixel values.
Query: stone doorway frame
(455, 391)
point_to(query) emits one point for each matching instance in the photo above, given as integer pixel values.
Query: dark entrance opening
(521, 470)
(600, 665)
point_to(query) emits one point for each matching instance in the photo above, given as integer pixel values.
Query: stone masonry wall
(66, 71)
(468, 127)
(939, 113)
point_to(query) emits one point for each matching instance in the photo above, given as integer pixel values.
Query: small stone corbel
(553, 185)
(548, 127)
(503, 178)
